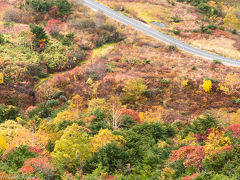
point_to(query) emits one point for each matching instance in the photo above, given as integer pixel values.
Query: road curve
(140, 26)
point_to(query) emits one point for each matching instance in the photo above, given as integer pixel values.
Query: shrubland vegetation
(83, 97)
(202, 23)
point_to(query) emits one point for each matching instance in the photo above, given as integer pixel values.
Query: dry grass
(145, 11)
(103, 50)
(190, 19)
(222, 45)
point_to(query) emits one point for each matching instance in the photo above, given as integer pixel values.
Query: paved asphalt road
(140, 26)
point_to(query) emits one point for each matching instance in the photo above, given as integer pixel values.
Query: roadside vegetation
(202, 23)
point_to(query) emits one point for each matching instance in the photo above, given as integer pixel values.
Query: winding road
(145, 28)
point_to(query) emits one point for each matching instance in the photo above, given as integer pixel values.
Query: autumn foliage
(193, 155)
(235, 129)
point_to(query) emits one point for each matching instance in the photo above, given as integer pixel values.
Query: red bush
(193, 155)
(190, 177)
(131, 113)
(36, 149)
(37, 164)
(54, 26)
(30, 108)
(235, 129)
(203, 135)
(26, 169)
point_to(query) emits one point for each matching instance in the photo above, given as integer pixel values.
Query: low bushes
(83, 23)
(1, 39)
(64, 8)
(8, 112)
(18, 16)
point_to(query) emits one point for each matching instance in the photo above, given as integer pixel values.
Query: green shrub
(1, 39)
(155, 130)
(42, 111)
(96, 126)
(221, 28)
(216, 61)
(52, 103)
(64, 124)
(111, 157)
(64, 8)
(108, 27)
(177, 32)
(234, 31)
(204, 7)
(211, 79)
(217, 162)
(15, 159)
(39, 35)
(38, 32)
(8, 112)
(205, 29)
(201, 124)
(212, 26)
(66, 41)
(163, 81)
(147, 61)
(83, 23)
(70, 36)
(41, 6)
(175, 19)
(172, 48)
(127, 122)
(148, 93)
(35, 70)
(99, 115)
(107, 37)
(235, 101)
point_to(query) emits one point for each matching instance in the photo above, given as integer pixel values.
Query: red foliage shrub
(36, 149)
(131, 113)
(76, 72)
(26, 169)
(60, 80)
(193, 155)
(30, 108)
(235, 129)
(203, 135)
(3, 157)
(38, 164)
(109, 79)
(212, 66)
(190, 177)
(116, 58)
(111, 177)
(84, 128)
(228, 148)
(54, 26)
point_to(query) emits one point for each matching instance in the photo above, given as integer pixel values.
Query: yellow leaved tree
(216, 142)
(38, 139)
(3, 143)
(103, 137)
(11, 129)
(152, 115)
(231, 21)
(72, 149)
(1, 78)
(72, 112)
(207, 85)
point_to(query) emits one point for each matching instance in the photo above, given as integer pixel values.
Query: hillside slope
(85, 97)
